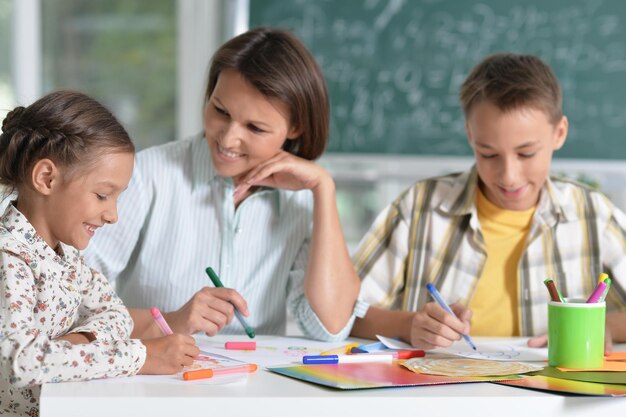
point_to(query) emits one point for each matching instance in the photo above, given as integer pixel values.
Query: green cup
(576, 334)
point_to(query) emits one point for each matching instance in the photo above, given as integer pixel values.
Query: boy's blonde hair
(512, 81)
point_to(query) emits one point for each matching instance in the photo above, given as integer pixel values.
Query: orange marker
(210, 373)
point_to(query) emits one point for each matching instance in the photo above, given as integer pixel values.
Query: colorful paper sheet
(371, 375)
(593, 376)
(546, 383)
(613, 362)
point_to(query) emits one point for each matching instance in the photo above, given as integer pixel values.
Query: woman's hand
(208, 311)
(285, 171)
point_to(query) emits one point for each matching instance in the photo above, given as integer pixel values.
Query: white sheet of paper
(511, 349)
(270, 350)
(394, 343)
(218, 361)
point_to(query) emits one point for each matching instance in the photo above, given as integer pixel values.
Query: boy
(487, 238)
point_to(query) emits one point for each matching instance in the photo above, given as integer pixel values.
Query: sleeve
(299, 306)
(380, 257)
(613, 247)
(101, 312)
(111, 247)
(27, 354)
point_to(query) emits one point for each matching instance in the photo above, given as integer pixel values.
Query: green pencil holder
(576, 334)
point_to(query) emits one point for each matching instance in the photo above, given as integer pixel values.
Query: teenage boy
(488, 238)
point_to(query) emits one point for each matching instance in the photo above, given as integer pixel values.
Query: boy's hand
(168, 354)
(208, 311)
(434, 327)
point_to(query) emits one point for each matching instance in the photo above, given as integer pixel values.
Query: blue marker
(435, 294)
(336, 359)
(372, 347)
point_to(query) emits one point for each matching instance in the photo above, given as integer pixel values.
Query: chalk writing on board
(394, 67)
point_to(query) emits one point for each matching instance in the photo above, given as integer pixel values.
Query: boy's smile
(513, 152)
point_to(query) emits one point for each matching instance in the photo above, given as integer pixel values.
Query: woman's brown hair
(277, 64)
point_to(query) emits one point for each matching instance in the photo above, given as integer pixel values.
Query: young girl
(245, 199)
(68, 159)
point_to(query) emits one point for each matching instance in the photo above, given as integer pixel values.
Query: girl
(245, 199)
(68, 159)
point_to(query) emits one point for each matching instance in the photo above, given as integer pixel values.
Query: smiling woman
(246, 199)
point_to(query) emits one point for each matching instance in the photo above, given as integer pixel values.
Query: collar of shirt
(460, 201)
(23, 231)
(202, 167)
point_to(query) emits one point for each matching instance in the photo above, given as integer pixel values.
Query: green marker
(218, 283)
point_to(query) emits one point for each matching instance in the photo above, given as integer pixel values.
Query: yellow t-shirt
(495, 301)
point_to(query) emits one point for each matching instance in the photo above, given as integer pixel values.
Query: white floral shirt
(46, 294)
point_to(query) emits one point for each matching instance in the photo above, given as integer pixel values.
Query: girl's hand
(285, 171)
(208, 311)
(168, 354)
(434, 327)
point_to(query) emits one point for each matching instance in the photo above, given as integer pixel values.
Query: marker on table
(210, 373)
(240, 345)
(602, 277)
(160, 321)
(337, 359)
(402, 354)
(216, 281)
(340, 350)
(373, 347)
(435, 294)
(597, 293)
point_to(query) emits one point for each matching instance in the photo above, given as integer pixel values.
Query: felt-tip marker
(337, 359)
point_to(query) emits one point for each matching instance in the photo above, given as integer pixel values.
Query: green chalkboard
(394, 67)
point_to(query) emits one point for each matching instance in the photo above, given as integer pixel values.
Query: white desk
(272, 395)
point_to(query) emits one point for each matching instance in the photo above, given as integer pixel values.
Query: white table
(268, 394)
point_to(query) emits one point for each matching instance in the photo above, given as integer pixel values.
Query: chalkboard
(394, 67)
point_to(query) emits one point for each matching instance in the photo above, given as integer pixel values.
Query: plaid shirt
(431, 233)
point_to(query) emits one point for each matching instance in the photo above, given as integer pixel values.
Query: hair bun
(12, 119)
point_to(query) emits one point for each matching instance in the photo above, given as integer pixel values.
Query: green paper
(586, 376)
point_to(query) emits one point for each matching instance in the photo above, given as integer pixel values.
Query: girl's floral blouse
(45, 294)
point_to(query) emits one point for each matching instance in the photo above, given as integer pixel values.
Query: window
(122, 53)
(6, 89)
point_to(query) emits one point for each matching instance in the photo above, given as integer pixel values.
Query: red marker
(240, 345)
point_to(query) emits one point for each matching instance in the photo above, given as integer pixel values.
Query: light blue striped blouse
(178, 217)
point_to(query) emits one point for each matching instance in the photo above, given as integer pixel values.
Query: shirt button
(238, 230)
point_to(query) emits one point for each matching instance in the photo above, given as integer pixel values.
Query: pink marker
(160, 321)
(597, 293)
(240, 345)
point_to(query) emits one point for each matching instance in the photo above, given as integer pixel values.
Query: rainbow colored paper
(372, 375)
